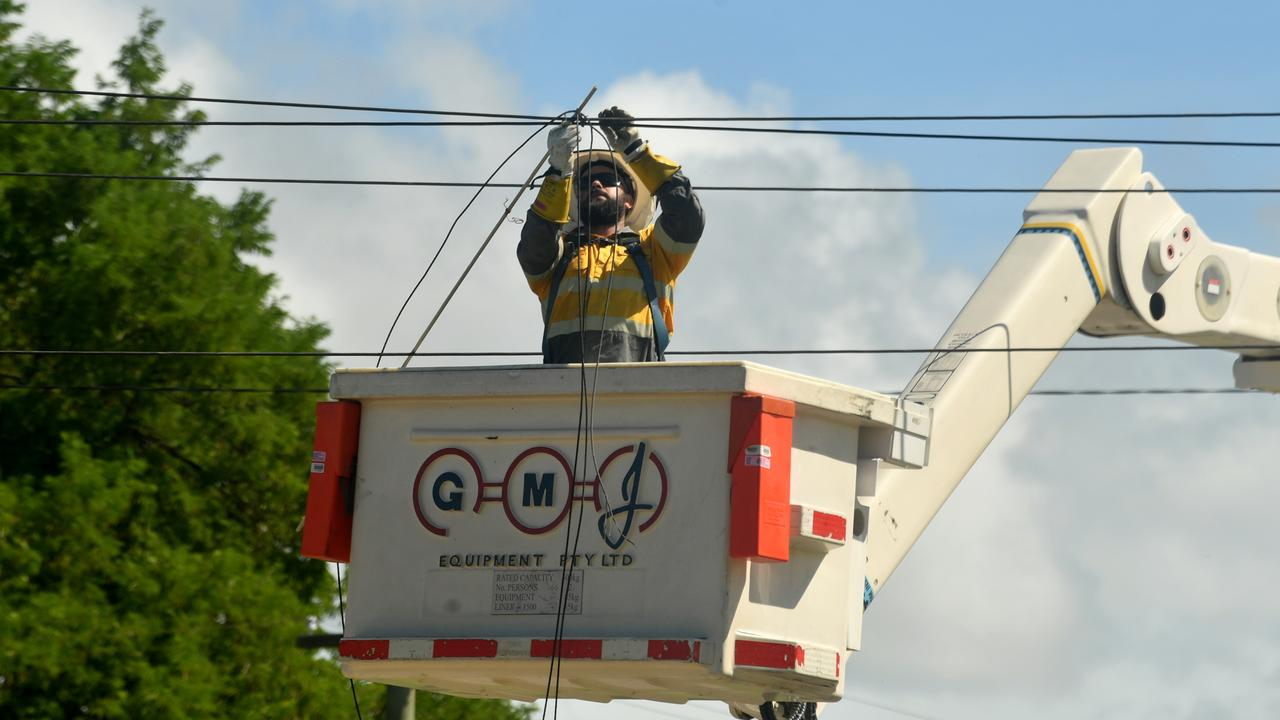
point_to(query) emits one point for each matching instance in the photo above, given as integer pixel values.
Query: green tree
(149, 561)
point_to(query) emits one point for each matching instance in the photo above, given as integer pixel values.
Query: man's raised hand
(561, 142)
(618, 126)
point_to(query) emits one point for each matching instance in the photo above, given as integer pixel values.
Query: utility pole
(400, 703)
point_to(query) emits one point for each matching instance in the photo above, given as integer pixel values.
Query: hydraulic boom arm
(1103, 249)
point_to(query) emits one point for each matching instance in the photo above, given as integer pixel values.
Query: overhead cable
(266, 103)
(93, 122)
(184, 389)
(970, 117)
(887, 134)
(668, 118)
(968, 136)
(242, 390)
(286, 181)
(1149, 391)
(701, 188)
(1237, 347)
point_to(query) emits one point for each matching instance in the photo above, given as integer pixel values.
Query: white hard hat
(641, 212)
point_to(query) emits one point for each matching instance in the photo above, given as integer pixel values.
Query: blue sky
(859, 58)
(1107, 557)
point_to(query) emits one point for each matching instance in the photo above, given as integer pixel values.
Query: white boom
(1104, 250)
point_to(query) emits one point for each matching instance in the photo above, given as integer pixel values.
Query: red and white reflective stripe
(812, 524)
(521, 648)
(791, 657)
(363, 649)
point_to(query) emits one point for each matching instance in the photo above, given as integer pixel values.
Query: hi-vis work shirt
(601, 309)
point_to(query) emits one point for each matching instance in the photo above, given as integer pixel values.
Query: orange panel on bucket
(760, 469)
(326, 532)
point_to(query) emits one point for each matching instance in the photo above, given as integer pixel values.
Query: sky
(1107, 557)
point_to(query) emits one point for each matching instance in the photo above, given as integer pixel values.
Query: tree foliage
(149, 559)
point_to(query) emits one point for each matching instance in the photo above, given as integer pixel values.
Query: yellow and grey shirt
(601, 310)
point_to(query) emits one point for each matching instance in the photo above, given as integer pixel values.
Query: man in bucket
(603, 271)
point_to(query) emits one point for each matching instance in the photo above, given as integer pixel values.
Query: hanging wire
(448, 234)
(528, 183)
(181, 389)
(567, 561)
(580, 453)
(595, 377)
(342, 616)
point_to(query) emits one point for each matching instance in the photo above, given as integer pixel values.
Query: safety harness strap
(569, 252)
(661, 337)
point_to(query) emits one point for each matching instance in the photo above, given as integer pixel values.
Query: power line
(647, 707)
(668, 118)
(981, 117)
(287, 181)
(1149, 391)
(983, 190)
(266, 103)
(182, 389)
(701, 188)
(211, 389)
(968, 136)
(709, 352)
(884, 134)
(259, 353)
(267, 123)
(886, 708)
(967, 350)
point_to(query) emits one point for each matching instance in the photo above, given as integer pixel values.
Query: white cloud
(99, 27)
(203, 65)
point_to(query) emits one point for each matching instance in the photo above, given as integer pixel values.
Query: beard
(603, 211)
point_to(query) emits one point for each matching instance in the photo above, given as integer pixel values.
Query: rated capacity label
(535, 592)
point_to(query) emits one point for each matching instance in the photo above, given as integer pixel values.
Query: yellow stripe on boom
(1082, 247)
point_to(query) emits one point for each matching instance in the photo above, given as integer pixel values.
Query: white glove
(561, 142)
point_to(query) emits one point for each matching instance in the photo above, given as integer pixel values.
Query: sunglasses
(606, 179)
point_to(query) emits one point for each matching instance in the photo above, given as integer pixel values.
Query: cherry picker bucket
(696, 527)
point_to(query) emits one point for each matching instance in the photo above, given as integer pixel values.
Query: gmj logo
(538, 489)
